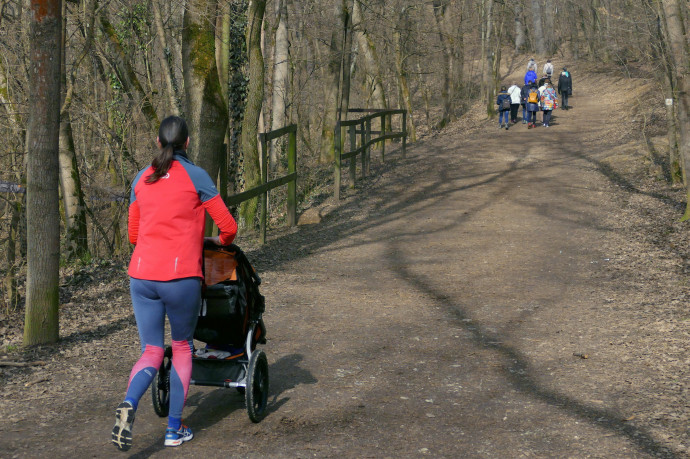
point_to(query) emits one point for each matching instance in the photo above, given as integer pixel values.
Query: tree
(280, 76)
(255, 97)
(676, 29)
(374, 82)
(43, 218)
(540, 42)
(206, 111)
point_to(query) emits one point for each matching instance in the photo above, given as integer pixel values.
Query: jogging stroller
(230, 323)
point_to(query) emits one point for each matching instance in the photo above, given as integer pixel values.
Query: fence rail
(262, 190)
(362, 127)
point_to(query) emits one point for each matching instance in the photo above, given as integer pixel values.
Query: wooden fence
(262, 190)
(362, 126)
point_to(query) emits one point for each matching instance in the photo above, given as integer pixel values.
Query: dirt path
(437, 314)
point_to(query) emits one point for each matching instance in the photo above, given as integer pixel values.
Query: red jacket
(167, 220)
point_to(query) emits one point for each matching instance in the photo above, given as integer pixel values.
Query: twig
(36, 381)
(4, 363)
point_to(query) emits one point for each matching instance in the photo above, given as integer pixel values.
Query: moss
(202, 52)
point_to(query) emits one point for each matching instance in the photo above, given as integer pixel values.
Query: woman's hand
(213, 239)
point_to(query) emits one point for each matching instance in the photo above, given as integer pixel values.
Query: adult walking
(515, 100)
(530, 76)
(503, 102)
(549, 102)
(532, 105)
(548, 69)
(168, 203)
(565, 87)
(524, 92)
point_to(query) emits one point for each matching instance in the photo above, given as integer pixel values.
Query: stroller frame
(247, 372)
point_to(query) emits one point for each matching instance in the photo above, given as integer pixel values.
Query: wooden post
(404, 133)
(363, 142)
(292, 185)
(264, 195)
(337, 148)
(383, 132)
(353, 159)
(368, 137)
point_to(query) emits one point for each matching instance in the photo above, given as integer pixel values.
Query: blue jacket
(530, 76)
(499, 100)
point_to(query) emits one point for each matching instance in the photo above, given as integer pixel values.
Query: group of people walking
(534, 96)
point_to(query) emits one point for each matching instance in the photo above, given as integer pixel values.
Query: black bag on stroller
(230, 299)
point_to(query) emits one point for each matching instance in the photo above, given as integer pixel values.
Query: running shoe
(122, 432)
(177, 437)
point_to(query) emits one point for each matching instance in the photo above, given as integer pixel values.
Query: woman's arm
(133, 223)
(219, 213)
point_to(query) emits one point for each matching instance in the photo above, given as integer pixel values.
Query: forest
(76, 136)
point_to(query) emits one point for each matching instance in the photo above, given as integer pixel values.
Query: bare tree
(205, 110)
(43, 217)
(280, 76)
(520, 36)
(538, 31)
(676, 28)
(255, 97)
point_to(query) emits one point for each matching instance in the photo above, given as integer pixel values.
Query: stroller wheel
(160, 389)
(256, 394)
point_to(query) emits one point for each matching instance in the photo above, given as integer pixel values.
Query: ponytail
(172, 135)
(161, 163)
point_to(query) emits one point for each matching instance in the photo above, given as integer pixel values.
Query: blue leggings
(180, 300)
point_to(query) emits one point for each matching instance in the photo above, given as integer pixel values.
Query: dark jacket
(523, 94)
(565, 83)
(499, 100)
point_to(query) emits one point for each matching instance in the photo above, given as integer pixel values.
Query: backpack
(505, 105)
(533, 97)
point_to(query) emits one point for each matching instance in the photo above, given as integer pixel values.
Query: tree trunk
(346, 60)
(539, 41)
(10, 280)
(440, 7)
(237, 92)
(43, 217)
(332, 78)
(550, 33)
(375, 88)
(255, 97)
(76, 241)
(401, 70)
(207, 115)
(676, 29)
(166, 62)
(677, 171)
(280, 78)
(520, 37)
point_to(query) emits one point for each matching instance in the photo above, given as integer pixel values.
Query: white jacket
(548, 68)
(514, 92)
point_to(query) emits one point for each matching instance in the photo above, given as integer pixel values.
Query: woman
(503, 102)
(532, 105)
(515, 100)
(167, 209)
(549, 102)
